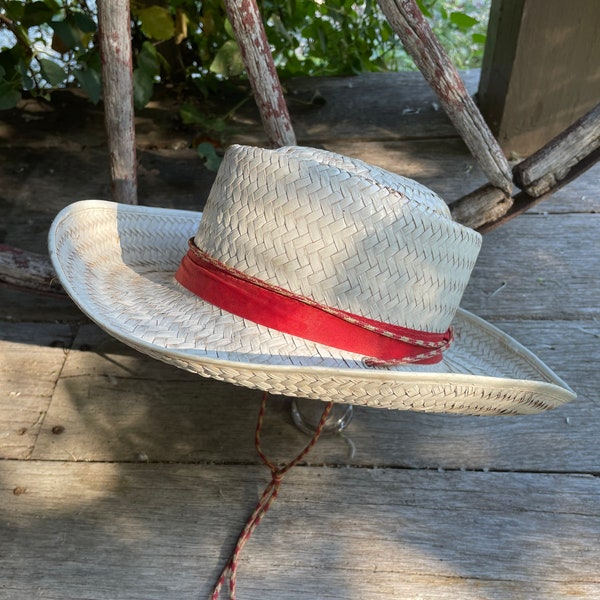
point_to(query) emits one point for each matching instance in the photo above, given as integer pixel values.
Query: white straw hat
(345, 280)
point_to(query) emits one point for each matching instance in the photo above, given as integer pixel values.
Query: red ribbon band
(280, 309)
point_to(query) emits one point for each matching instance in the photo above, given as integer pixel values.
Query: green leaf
(27, 83)
(8, 63)
(14, 10)
(228, 60)
(147, 60)
(462, 21)
(425, 9)
(75, 30)
(190, 115)
(156, 22)
(54, 74)
(90, 82)
(144, 76)
(207, 152)
(53, 5)
(9, 96)
(85, 23)
(90, 59)
(143, 88)
(67, 32)
(36, 13)
(479, 38)
(229, 29)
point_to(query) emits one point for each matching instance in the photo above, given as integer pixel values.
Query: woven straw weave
(117, 263)
(341, 232)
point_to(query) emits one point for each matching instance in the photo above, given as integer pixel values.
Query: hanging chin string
(267, 498)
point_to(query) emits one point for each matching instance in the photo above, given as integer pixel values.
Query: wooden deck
(122, 477)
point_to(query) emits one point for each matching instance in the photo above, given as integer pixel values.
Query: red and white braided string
(267, 498)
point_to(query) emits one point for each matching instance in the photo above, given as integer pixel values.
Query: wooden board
(447, 168)
(372, 106)
(114, 404)
(31, 358)
(538, 266)
(540, 71)
(145, 531)
(367, 106)
(139, 475)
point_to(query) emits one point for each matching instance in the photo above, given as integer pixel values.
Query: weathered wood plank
(42, 182)
(562, 160)
(447, 168)
(429, 55)
(27, 270)
(523, 202)
(444, 165)
(247, 25)
(113, 404)
(371, 106)
(105, 531)
(31, 358)
(114, 30)
(484, 205)
(538, 266)
(539, 70)
(541, 171)
(18, 305)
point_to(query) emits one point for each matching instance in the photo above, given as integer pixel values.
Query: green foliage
(52, 46)
(337, 37)
(208, 153)
(45, 44)
(460, 26)
(145, 75)
(156, 22)
(54, 74)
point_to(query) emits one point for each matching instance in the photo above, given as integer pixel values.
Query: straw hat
(345, 281)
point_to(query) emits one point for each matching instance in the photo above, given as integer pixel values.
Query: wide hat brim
(117, 262)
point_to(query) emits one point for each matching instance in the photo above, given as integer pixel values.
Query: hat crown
(340, 232)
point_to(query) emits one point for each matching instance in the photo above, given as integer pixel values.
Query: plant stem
(18, 31)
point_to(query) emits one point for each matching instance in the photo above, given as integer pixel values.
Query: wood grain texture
(538, 267)
(523, 202)
(117, 405)
(28, 270)
(540, 73)
(246, 22)
(446, 167)
(432, 60)
(372, 106)
(31, 358)
(164, 532)
(544, 169)
(481, 206)
(114, 29)
(139, 476)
